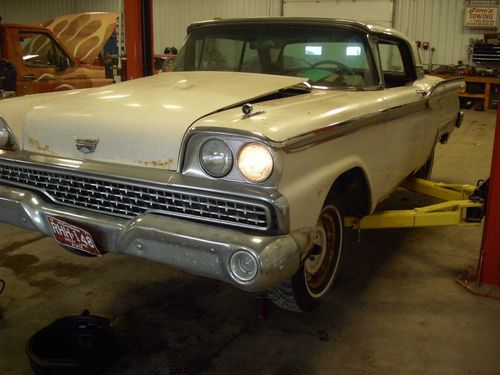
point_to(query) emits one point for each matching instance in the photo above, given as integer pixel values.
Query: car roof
(370, 28)
(278, 21)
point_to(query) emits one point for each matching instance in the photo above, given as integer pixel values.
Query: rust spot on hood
(157, 163)
(44, 149)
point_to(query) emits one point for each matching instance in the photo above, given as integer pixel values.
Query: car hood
(139, 122)
(84, 34)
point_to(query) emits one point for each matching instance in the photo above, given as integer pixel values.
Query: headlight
(4, 137)
(255, 162)
(216, 158)
(6, 140)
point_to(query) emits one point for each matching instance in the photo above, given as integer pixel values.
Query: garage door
(369, 11)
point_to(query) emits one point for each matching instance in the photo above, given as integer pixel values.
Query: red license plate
(69, 235)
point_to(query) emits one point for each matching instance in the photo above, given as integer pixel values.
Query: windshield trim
(187, 58)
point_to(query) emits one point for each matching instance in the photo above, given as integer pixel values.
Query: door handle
(29, 77)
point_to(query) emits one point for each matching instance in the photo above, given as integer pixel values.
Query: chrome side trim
(456, 80)
(326, 133)
(343, 128)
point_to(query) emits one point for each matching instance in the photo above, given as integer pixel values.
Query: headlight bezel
(191, 164)
(10, 141)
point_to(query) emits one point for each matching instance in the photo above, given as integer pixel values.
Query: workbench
(489, 92)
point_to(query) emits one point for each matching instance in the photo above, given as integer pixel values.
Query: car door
(46, 66)
(408, 119)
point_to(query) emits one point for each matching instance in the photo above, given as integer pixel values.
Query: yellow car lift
(462, 205)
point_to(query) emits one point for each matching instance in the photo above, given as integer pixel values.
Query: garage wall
(369, 11)
(39, 11)
(171, 17)
(439, 22)
(34, 11)
(96, 6)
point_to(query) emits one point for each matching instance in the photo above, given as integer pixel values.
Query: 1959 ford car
(238, 165)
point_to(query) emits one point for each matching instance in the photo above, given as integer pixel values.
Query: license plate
(72, 236)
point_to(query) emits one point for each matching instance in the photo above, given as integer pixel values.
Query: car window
(390, 58)
(396, 63)
(40, 50)
(327, 56)
(318, 60)
(219, 54)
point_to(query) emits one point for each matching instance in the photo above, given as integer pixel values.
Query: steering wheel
(341, 67)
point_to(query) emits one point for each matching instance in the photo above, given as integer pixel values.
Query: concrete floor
(396, 308)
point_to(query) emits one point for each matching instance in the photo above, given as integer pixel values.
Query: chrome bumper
(197, 248)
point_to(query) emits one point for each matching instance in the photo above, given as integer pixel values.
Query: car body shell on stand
(240, 163)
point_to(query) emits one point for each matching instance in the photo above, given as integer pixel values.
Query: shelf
(490, 88)
(477, 96)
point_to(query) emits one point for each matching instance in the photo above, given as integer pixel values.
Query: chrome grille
(124, 199)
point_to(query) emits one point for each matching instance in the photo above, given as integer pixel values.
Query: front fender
(306, 185)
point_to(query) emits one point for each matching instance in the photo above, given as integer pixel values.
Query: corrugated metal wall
(441, 23)
(369, 11)
(171, 17)
(96, 6)
(34, 11)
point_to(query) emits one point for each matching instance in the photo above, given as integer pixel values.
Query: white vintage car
(241, 163)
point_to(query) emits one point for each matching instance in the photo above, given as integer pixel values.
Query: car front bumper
(197, 248)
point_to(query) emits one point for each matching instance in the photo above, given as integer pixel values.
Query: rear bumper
(197, 248)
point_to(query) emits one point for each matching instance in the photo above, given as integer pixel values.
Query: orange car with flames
(60, 55)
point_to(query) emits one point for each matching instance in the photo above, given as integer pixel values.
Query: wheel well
(351, 193)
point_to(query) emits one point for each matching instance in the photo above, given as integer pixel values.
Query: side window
(390, 58)
(39, 50)
(396, 63)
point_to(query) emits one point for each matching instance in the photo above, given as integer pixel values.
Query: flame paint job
(41, 79)
(84, 34)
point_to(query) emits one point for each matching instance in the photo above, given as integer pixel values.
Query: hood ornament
(247, 110)
(86, 145)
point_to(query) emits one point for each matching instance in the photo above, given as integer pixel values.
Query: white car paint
(148, 119)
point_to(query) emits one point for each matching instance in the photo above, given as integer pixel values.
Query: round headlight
(216, 158)
(4, 136)
(255, 162)
(243, 265)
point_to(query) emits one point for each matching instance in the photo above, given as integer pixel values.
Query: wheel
(341, 67)
(310, 284)
(425, 170)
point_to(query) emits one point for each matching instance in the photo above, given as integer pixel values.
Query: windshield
(326, 56)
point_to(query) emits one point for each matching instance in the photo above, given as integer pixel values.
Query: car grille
(124, 199)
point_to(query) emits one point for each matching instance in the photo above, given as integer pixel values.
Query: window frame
(54, 45)
(190, 62)
(406, 53)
